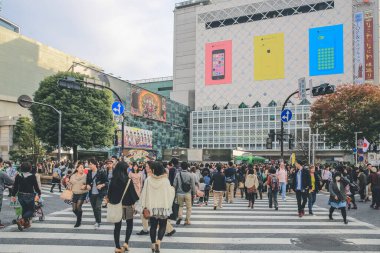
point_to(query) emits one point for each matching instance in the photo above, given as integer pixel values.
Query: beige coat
(251, 180)
(76, 182)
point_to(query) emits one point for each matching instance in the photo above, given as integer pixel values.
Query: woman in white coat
(252, 184)
(157, 199)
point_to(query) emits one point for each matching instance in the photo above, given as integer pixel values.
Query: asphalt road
(234, 228)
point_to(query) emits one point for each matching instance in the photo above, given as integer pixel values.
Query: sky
(132, 39)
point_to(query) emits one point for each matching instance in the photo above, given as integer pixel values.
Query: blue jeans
(283, 190)
(27, 203)
(312, 198)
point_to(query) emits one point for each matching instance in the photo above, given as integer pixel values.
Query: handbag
(252, 189)
(146, 213)
(175, 209)
(66, 195)
(115, 211)
(241, 185)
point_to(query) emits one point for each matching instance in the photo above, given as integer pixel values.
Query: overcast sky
(129, 38)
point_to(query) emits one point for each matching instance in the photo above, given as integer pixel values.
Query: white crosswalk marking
(234, 229)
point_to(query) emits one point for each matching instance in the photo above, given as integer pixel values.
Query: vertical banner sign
(368, 49)
(359, 48)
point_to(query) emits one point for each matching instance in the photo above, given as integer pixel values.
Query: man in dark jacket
(97, 184)
(218, 182)
(230, 182)
(301, 186)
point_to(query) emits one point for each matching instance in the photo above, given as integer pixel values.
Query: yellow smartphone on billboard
(269, 57)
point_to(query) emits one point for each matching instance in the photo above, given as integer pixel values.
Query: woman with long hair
(252, 184)
(25, 187)
(116, 189)
(157, 198)
(338, 197)
(77, 184)
(136, 178)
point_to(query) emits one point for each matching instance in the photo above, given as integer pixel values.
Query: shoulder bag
(115, 211)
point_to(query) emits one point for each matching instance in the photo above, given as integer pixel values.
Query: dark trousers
(251, 198)
(53, 185)
(154, 222)
(260, 191)
(327, 183)
(311, 200)
(272, 196)
(376, 196)
(96, 204)
(301, 200)
(27, 203)
(128, 232)
(342, 210)
(207, 195)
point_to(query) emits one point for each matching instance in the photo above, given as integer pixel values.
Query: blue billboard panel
(326, 50)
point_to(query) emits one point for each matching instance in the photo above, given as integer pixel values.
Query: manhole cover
(317, 242)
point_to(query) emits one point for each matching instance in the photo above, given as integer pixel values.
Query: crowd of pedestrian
(160, 191)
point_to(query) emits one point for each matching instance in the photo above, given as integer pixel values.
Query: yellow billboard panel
(269, 57)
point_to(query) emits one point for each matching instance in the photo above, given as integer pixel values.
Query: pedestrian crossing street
(234, 228)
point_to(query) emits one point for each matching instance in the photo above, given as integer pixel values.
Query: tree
(87, 119)
(350, 109)
(27, 144)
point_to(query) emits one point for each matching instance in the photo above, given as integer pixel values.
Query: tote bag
(115, 211)
(66, 195)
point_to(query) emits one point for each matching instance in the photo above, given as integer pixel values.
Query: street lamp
(356, 147)
(26, 102)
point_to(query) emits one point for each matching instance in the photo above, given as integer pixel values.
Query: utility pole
(356, 147)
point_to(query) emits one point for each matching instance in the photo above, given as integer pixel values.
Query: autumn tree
(350, 109)
(87, 119)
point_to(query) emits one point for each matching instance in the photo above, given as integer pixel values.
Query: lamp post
(26, 102)
(356, 147)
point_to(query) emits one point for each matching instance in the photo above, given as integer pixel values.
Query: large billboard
(147, 104)
(269, 57)
(137, 138)
(139, 155)
(326, 50)
(217, 155)
(218, 63)
(368, 42)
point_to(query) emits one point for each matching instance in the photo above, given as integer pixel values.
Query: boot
(158, 246)
(20, 224)
(249, 204)
(79, 219)
(27, 223)
(331, 213)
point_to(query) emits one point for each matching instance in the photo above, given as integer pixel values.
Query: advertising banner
(359, 48)
(139, 155)
(137, 138)
(368, 49)
(218, 62)
(147, 104)
(326, 50)
(269, 57)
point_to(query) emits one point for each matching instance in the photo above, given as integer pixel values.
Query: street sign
(354, 150)
(25, 101)
(302, 88)
(117, 108)
(286, 115)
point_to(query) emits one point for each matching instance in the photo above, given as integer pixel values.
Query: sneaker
(142, 232)
(171, 233)
(276, 209)
(178, 221)
(96, 226)
(2, 226)
(311, 213)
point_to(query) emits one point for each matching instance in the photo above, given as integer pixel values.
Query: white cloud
(130, 38)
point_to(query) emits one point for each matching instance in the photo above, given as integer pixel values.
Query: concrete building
(161, 85)
(25, 62)
(253, 52)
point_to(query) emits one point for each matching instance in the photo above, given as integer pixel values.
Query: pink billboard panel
(218, 63)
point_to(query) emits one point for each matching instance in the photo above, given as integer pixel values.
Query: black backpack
(186, 187)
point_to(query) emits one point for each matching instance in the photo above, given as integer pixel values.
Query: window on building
(165, 88)
(199, 121)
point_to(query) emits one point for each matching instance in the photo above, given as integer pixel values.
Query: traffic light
(269, 143)
(69, 83)
(291, 141)
(323, 89)
(271, 134)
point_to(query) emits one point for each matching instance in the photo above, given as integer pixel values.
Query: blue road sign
(354, 150)
(361, 158)
(286, 115)
(117, 108)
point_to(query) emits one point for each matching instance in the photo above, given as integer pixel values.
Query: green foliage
(350, 109)
(87, 119)
(27, 144)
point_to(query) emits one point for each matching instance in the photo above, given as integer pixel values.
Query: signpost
(286, 115)
(302, 88)
(117, 108)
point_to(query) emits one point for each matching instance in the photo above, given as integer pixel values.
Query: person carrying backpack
(184, 185)
(273, 188)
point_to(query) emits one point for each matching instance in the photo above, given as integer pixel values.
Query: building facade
(253, 53)
(161, 85)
